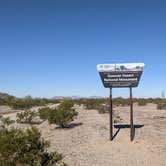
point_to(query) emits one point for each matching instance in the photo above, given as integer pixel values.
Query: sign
(120, 75)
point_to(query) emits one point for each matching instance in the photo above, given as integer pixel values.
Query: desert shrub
(161, 106)
(79, 101)
(7, 121)
(150, 100)
(158, 100)
(26, 116)
(66, 104)
(116, 118)
(97, 103)
(93, 103)
(20, 148)
(44, 113)
(121, 101)
(62, 117)
(24, 103)
(5, 99)
(27, 103)
(142, 102)
(103, 108)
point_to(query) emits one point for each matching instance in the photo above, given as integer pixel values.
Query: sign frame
(120, 75)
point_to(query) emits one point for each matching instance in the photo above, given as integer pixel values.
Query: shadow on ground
(70, 126)
(126, 126)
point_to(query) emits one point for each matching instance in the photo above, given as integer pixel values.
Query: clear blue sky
(51, 47)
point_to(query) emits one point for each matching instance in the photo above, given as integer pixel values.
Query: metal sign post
(131, 116)
(111, 116)
(121, 76)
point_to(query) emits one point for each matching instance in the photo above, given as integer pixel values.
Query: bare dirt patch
(86, 141)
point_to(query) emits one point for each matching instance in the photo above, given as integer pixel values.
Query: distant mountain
(62, 97)
(5, 95)
(77, 97)
(58, 97)
(95, 97)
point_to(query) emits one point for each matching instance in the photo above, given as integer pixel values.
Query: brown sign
(120, 75)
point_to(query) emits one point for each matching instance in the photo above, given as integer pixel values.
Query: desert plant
(61, 117)
(142, 102)
(161, 106)
(92, 103)
(20, 148)
(24, 103)
(7, 121)
(44, 113)
(121, 101)
(63, 114)
(103, 108)
(26, 116)
(66, 104)
(116, 118)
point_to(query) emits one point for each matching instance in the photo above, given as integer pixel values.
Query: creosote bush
(161, 106)
(66, 104)
(103, 108)
(116, 118)
(26, 116)
(142, 102)
(44, 113)
(121, 101)
(97, 103)
(26, 148)
(7, 121)
(94, 103)
(24, 103)
(61, 116)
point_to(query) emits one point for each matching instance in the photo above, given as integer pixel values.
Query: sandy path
(87, 142)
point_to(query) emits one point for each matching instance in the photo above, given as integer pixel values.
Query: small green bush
(44, 113)
(26, 148)
(7, 121)
(103, 108)
(142, 102)
(66, 104)
(117, 118)
(91, 103)
(26, 116)
(121, 101)
(61, 117)
(24, 103)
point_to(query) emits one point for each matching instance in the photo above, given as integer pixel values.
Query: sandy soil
(87, 143)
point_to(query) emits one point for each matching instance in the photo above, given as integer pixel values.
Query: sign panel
(120, 75)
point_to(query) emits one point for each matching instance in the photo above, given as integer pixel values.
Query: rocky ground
(86, 142)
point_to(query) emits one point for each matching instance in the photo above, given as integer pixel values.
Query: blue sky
(51, 48)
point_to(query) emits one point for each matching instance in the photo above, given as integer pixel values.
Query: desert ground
(86, 142)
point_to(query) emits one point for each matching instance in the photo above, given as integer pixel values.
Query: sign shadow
(124, 126)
